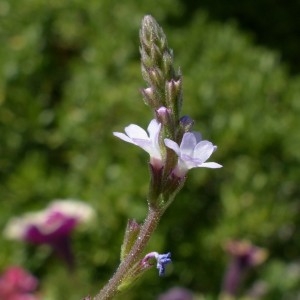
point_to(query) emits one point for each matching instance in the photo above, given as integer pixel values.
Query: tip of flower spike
(149, 22)
(148, 18)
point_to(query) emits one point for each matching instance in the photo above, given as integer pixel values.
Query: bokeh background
(70, 76)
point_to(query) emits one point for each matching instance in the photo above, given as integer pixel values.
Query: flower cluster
(192, 152)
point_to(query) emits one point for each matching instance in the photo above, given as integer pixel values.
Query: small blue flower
(162, 261)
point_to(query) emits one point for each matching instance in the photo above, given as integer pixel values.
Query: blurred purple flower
(176, 293)
(192, 153)
(244, 256)
(17, 284)
(139, 137)
(52, 226)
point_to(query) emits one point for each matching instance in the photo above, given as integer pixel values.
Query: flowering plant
(173, 149)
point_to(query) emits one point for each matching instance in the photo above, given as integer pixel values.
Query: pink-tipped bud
(163, 115)
(155, 77)
(174, 94)
(149, 97)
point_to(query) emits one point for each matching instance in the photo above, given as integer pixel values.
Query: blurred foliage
(71, 76)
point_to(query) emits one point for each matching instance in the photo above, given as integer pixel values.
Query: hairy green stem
(150, 224)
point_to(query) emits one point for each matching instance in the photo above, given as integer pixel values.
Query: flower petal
(211, 165)
(162, 261)
(203, 150)
(135, 131)
(172, 145)
(144, 144)
(186, 162)
(153, 129)
(188, 143)
(198, 136)
(123, 137)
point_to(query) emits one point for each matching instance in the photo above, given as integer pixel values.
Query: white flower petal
(144, 144)
(188, 143)
(153, 129)
(211, 165)
(198, 136)
(203, 150)
(172, 145)
(73, 208)
(135, 131)
(186, 162)
(123, 137)
(17, 227)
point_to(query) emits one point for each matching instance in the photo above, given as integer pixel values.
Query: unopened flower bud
(174, 95)
(163, 115)
(155, 77)
(151, 33)
(149, 97)
(186, 123)
(168, 64)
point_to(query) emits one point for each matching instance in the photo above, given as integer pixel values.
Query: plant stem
(150, 224)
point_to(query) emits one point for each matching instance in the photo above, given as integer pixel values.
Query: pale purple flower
(139, 137)
(192, 153)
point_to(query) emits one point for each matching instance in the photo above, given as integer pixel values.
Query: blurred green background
(70, 76)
